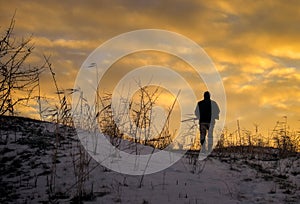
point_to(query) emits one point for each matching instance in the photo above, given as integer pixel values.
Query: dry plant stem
(282, 140)
(165, 125)
(53, 76)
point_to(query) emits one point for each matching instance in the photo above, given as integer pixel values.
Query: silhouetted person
(207, 111)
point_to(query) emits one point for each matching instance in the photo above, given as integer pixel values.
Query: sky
(255, 45)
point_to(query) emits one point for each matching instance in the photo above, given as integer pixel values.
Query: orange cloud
(255, 45)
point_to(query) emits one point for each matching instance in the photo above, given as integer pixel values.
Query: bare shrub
(17, 80)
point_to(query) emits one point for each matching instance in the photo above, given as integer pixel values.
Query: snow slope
(43, 162)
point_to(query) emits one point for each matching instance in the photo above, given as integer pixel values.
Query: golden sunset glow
(255, 46)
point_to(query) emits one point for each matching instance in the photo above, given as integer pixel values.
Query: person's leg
(210, 136)
(204, 127)
(203, 132)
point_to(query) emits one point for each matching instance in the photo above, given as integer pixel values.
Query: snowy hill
(43, 162)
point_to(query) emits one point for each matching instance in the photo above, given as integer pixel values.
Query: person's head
(206, 95)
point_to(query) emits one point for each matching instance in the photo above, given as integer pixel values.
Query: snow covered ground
(43, 162)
